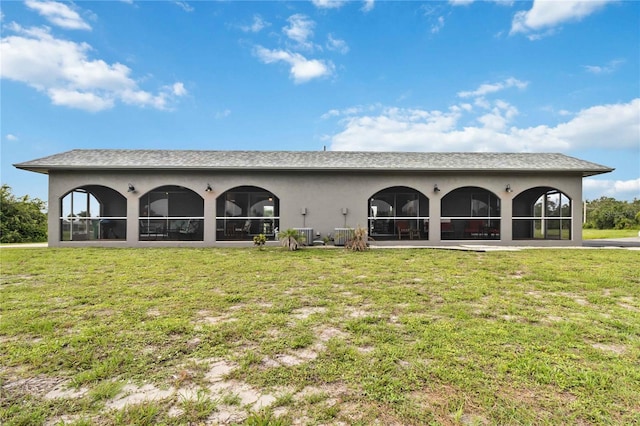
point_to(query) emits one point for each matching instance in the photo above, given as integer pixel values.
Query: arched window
(246, 211)
(542, 213)
(171, 213)
(93, 212)
(399, 212)
(470, 213)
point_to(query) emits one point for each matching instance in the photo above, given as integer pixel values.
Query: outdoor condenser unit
(308, 235)
(342, 235)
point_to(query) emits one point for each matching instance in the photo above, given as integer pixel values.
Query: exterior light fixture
(131, 188)
(435, 188)
(208, 189)
(508, 188)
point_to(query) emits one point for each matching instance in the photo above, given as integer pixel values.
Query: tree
(609, 213)
(22, 219)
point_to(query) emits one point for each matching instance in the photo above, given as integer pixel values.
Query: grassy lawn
(208, 336)
(591, 234)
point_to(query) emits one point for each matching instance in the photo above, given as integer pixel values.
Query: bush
(260, 240)
(359, 240)
(291, 239)
(22, 219)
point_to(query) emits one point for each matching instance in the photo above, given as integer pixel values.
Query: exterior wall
(324, 195)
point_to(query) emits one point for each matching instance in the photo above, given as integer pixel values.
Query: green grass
(591, 234)
(395, 336)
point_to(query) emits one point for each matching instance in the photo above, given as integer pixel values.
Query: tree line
(609, 213)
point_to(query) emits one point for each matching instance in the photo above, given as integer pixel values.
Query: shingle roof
(117, 159)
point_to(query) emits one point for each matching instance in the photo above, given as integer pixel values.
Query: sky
(463, 75)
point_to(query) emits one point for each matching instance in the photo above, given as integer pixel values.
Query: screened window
(93, 212)
(246, 211)
(171, 213)
(542, 213)
(470, 213)
(399, 212)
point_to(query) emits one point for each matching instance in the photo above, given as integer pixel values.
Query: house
(146, 198)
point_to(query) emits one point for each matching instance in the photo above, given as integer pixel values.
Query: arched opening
(93, 212)
(399, 212)
(245, 211)
(542, 213)
(470, 213)
(171, 213)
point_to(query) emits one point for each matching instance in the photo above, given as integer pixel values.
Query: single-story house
(139, 198)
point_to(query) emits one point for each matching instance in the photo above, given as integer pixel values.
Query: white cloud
(328, 4)
(486, 89)
(439, 24)
(300, 29)
(336, 44)
(222, 114)
(184, 6)
(610, 67)
(58, 14)
(63, 70)
(256, 26)
(178, 89)
(396, 129)
(612, 126)
(87, 101)
(545, 15)
(11, 137)
(302, 69)
(620, 189)
(368, 5)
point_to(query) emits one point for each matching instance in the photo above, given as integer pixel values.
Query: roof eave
(45, 169)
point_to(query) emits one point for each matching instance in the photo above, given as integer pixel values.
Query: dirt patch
(38, 386)
(517, 275)
(362, 312)
(219, 369)
(306, 312)
(132, 395)
(579, 300)
(552, 318)
(616, 349)
(327, 333)
(365, 349)
(214, 320)
(334, 390)
(65, 391)
(290, 360)
(629, 307)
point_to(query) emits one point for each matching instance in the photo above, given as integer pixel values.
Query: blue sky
(464, 75)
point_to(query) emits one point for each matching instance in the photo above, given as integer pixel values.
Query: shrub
(291, 239)
(21, 218)
(359, 240)
(260, 240)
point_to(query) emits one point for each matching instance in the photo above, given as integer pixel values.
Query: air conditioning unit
(308, 235)
(342, 235)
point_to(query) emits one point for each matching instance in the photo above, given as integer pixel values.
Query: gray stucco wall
(324, 195)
